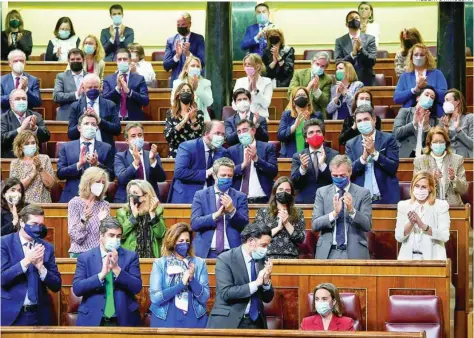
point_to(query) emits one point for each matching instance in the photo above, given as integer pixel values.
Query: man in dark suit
(93, 104)
(127, 89)
(76, 156)
(68, 85)
(193, 163)
(182, 45)
(219, 213)
(254, 39)
(242, 99)
(19, 118)
(255, 164)
(18, 79)
(117, 35)
(28, 270)
(374, 156)
(137, 163)
(108, 278)
(310, 167)
(342, 214)
(357, 48)
(243, 282)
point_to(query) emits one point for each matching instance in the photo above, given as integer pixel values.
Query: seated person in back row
(116, 36)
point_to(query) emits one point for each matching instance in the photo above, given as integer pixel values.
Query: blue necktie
(262, 43)
(91, 104)
(32, 278)
(253, 312)
(340, 226)
(210, 157)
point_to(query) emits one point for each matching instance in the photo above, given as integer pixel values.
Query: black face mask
(183, 31)
(283, 197)
(354, 23)
(274, 39)
(301, 101)
(76, 66)
(407, 43)
(136, 200)
(185, 97)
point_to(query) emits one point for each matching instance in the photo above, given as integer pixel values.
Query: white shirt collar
(312, 150)
(15, 76)
(84, 140)
(80, 74)
(18, 116)
(247, 257)
(131, 151)
(23, 240)
(346, 189)
(355, 36)
(102, 252)
(185, 37)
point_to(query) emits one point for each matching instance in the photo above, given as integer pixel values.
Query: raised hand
(58, 52)
(124, 85)
(451, 174)
(38, 258)
(178, 48)
(186, 49)
(93, 159)
(83, 156)
(227, 203)
(105, 267)
(219, 212)
(256, 117)
(103, 213)
(133, 207)
(154, 203)
(136, 156)
(304, 158)
(191, 271)
(121, 30)
(337, 203)
(283, 216)
(37, 163)
(347, 199)
(322, 158)
(153, 153)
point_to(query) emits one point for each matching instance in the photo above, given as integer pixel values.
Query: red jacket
(315, 323)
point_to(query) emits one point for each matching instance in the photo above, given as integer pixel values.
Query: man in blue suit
(254, 39)
(117, 35)
(193, 163)
(18, 79)
(127, 89)
(108, 278)
(76, 156)
(92, 104)
(137, 163)
(219, 213)
(255, 164)
(374, 156)
(28, 271)
(182, 45)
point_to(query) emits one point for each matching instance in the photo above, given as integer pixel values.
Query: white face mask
(420, 194)
(448, 107)
(362, 102)
(243, 106)
(97, 188)
(13, 197)
(18, 67)
(133, 55)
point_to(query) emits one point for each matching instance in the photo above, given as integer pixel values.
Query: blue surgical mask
(365, 127)
(194, 71)
(245, 139)
(217, 141)
(262, 19)
(20, 106)
(182, 249)
(340, 182)
(89, 49)
(112, 243)
(224, 183)
(138, 142)
(438, 148)
(323, 308)
(29, 150)
(123, 67)
(259, 253)
(316, 70)
(117, 20)
(90, 132)
(36, 231)
(64, 34)
(426, 102)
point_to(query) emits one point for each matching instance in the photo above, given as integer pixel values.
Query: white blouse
(261, 100)
(374, 30)
(66, 46)
(145, 69)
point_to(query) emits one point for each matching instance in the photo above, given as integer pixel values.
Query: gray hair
(14, 91)
(321, 55)
(223, 161)
(184, 15)
(91, 76)
(208, 125)
(338, 160)
(16, 52)
(365, 108)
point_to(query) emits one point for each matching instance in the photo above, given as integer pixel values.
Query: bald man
(92, 103)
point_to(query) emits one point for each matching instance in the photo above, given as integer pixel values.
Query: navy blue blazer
(307, 185)
(287, 139)
(248, 41)
(231, 136)
(385, 167)
(109, 47)
(407, 81)
(15, 282)
(204, 205)
(33, 93)
(197, 48)
(86, 284)
(109, 125)
(69, 153)
(136, 98)
(125, 172)
(266, 165)
(190, 170)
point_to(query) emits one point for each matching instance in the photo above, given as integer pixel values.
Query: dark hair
(365, 108)
(138, 48)
(83, 116)
(75, 51)
(433, 108)
(356, 96)
(250, 122)
(254, 230)
(171, 237)
(7, 184)
(292, 211)
(124, 50)
(371, 17)
(313, 122)
(347, 16)
(413, 36)
(62, 20)
(241, 91)
(116, 6)
(261, 4)
(109, 223)
(28, 210)
(208, 126)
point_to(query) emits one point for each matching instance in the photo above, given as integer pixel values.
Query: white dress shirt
(226, 216)
(375, 187)
(78, 78)
(255, 188)
(252, 285)
(181, 41)
(145, 69)
(143, 163)
(42, 273)
(98, 135)
(332, 219)
(122, 39)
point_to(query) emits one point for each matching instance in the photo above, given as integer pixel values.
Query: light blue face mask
(20, 106)
(217, 141)
(89, 49)
(438, 148)
(90, 132)
(262, 19)
(426, 102)
(117, 20)
(112, 243)
(260, 253)
(194, 71)
(123, 67)
(323, 308)
(316, 70)
(138, 142)
(245, 139)
(64, 34)
(29, 150)
(365, 127)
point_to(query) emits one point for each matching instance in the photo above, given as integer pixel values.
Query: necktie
(17, 81)
(91, 104)
(32, 276)
(315, 161)
(246, 179)
(262, 43)
(86, 144)
(253, 312)
(21, 119)
(184, 40)
(210, 157)
(340, 226)
(123, 101)
(109, 295)
(140, 175)
(219, 229)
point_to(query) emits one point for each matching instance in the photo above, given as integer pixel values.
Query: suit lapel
(18, 248)
(260, 150)
(69, 78)
(347, 43)
(334, 324)
(378, 140)
(211, 197)
(307, 75)
(201, 157)
(102, 107)
(241, 153)
(318, 322)
(121, 257)
(9, 84)
(13, 120)
(97, 261)
(241, 263)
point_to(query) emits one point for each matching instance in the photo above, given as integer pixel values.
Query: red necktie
(140, 175)
(123, 101)
(17, 82)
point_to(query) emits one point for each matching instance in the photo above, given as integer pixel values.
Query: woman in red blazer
(328, 306)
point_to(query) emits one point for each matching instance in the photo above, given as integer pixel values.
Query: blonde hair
(430, 61)
(144, 186)
(184, 73)
(432, 132)
(256, 60)
(272, 32)
(99, 52)
(90, 176)
(172, 235)
(431, 183)
(291, 104)
(13, 14)
(138, 49)
(349, 72)
(20, 141)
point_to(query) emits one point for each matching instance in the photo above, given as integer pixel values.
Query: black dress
(175, 138)
(25, 44)
(283, 74)
(348, 133)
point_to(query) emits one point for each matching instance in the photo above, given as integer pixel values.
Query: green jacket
(129, 235)
(302, 77)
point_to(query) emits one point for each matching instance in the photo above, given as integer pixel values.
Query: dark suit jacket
(348, 133)
(25, 44)
(65, 94)
(197, 48)
(307, 185)
(33, 94)
(231, 136)
(364, 61)
(86, 284)
(125, 172)
(248, 41)
(267, 166)
(9, 126)
(136, 98)
(282, 74)
(190, 170)
(109, 125)
(67, 166)
(233, 292)
(109, 47)
(15, 282)
(385, 168)
(315, 323)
